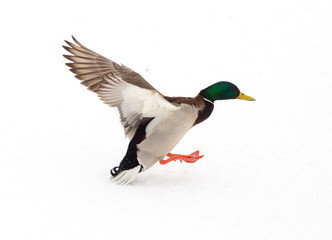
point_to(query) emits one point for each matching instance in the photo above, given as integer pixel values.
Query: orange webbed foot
(191, 158)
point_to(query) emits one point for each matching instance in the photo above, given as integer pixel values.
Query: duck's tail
(126, 176)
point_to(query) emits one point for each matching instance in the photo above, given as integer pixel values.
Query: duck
(153, 123)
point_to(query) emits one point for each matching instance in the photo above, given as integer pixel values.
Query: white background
(267, 171)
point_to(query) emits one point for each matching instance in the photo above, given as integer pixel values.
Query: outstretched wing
(90, 67)
(121, 87)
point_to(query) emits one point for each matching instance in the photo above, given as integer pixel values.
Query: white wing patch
(135, 104)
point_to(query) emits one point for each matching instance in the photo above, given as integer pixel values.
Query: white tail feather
(126, 176)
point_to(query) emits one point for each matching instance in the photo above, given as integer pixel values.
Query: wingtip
(67, 42)
(72, 70)
(75, 40)
(66, 48)
(68, 57)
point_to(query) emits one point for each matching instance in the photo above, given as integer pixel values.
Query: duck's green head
(223, 91)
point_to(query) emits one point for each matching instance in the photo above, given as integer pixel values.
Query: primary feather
(90, 67)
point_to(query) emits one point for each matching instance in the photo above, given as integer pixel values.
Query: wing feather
(119, 86)
(135, 104)
(87, 64)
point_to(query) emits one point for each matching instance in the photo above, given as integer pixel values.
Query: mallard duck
(154, 123)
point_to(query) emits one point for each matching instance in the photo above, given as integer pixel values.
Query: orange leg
(191, 158)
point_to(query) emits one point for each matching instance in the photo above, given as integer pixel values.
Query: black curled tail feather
(115, 171)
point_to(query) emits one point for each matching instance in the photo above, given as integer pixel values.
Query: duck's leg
(191, 158)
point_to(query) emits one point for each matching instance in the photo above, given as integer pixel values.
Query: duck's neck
(205, 112)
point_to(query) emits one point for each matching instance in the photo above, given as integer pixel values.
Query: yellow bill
(245, 97)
